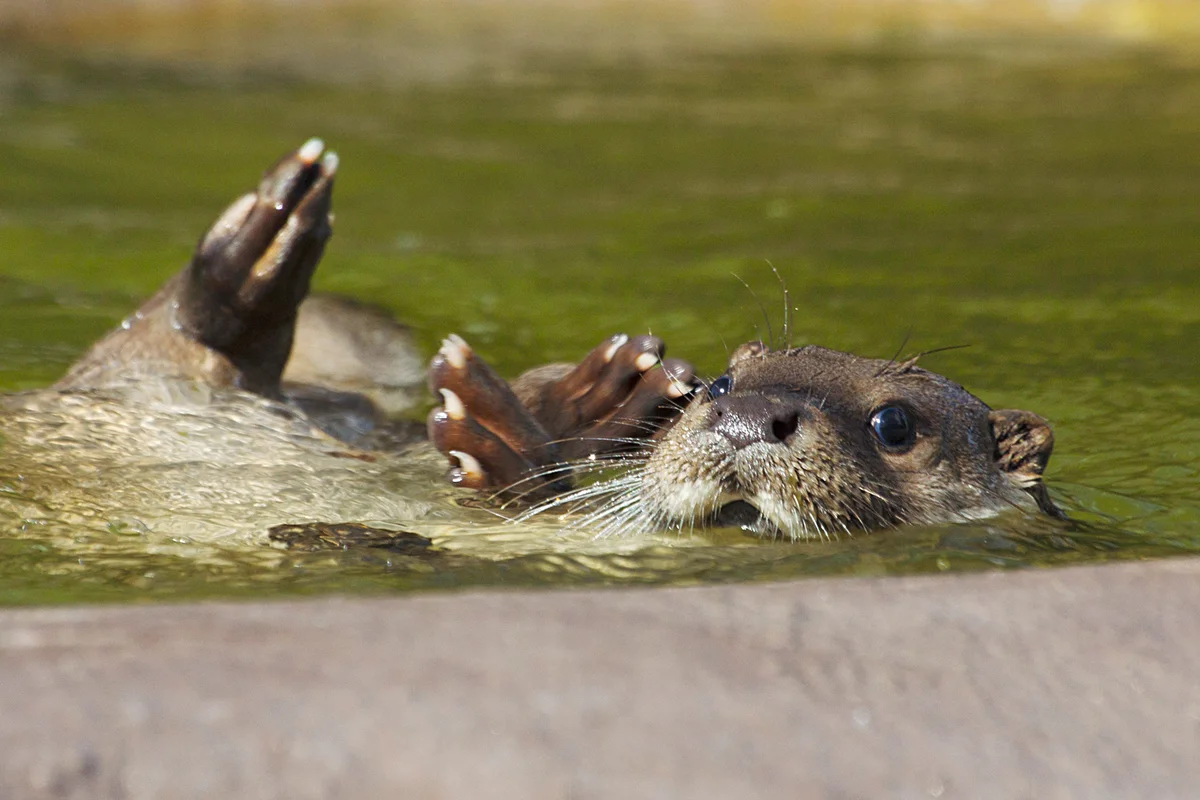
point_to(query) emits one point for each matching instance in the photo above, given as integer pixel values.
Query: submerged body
(228, 405)
(183, 423)
(185, 463)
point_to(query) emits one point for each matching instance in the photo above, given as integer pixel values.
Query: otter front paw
(491, 439)
(521, 439)
(252, 269)
(622, 393)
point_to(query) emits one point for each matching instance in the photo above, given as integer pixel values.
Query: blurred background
(401, 39)
(1019, 176)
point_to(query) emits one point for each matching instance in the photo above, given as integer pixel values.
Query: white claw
(455, 350)
(645, 361)
(677, 388)
(468, 463)
(618, 342)
(311, 150)
(455, 408)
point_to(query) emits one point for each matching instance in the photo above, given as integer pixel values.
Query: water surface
(1040, 208)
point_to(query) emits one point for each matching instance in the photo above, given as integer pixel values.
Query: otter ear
(1024, 442)
(747, 350)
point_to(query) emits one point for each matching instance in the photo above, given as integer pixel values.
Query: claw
(618, 342)
(455, 350)
(645, 361)
(453, 404)
(681, 376)
(470, 466)
(310, 151)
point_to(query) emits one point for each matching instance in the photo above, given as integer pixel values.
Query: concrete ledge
(1068, 683)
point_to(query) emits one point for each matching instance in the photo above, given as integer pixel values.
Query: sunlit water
(1041, 210)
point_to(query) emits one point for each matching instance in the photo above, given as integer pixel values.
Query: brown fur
(826, 472)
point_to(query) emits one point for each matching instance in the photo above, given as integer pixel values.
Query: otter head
(820, 442)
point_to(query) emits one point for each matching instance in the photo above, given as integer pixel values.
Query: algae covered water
(1039, 207)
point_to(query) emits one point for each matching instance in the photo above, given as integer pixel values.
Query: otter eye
(891, 425)
(720, 386)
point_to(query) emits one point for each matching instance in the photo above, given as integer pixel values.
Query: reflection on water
(1040, 210)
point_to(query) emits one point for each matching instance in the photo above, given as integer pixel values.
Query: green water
(1042, 210)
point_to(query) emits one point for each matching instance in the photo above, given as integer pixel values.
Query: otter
(800, 442)
(231, 407)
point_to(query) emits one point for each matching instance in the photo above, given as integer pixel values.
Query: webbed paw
(521, 439)
(239, 296)
(620, 394)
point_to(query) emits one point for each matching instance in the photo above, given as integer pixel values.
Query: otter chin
(811, 442)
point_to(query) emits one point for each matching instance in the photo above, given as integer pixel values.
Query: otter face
(820, 442)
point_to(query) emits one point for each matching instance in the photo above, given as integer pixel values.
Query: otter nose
(747, 419)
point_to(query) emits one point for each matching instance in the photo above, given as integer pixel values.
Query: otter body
(228, 390)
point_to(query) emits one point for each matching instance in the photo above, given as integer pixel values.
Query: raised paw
(229, 317)
(522, 438)
(239, 296)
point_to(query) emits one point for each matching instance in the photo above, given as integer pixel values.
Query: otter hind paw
(252, 268)
(229, 317)
(521, 439)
